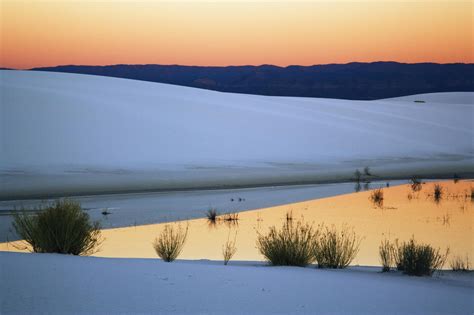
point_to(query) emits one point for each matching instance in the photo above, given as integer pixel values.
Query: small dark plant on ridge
(211, 215)
(415, 183)
(377, 197)
(438, 192)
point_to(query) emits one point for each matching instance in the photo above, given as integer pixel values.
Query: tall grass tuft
(336, 249)
(386, 253)
(170, 243)
(229, 249)
(377, 197)
(459, 263)
(292, 245)
(61, 227)
(418, 259)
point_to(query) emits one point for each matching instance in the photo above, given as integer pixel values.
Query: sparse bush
(61, 227)
(229, 249)
(418, 259)
(336, 249)
(211, 215)
(289, 215)
(459, 263)
(472, 193)
(377, 197)
(415, 183)
(438, 192)
(293, 245)
(170, 243)
(386, 250)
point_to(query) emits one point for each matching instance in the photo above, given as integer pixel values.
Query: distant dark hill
(359, 81)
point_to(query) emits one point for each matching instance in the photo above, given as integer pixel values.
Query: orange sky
(45, 33)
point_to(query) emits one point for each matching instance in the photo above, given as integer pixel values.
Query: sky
(38, 33)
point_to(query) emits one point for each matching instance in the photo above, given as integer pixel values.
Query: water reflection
(404, 213)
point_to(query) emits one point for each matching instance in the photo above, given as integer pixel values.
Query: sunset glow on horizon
(48, 33)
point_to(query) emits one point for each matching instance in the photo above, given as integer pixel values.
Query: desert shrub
(292, 245)
(229, 249)
(437, 192)
(386, 249)
(61, 227)
(418, 259)
(170, 243)
(289, 215)
(415, 183)
(336, 249)
(211, 215)
(472, 193)
(459, 263)
(377, 197)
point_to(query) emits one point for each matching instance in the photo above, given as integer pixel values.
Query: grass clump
(336, 249)
(292, 245)
(170, 243)
(61, 227)
(418, 259)
(211, 215)
(377, 197)
(386, 254)
(229, 249)
(459, 263)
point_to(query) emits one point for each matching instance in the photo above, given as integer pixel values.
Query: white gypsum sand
(80, 134)
(64, 284)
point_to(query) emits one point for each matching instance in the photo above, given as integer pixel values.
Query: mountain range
(357, 81)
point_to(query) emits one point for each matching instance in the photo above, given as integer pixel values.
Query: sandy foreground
(57, 284)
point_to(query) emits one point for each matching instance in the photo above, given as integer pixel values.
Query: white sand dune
(68, 133)
(63, 284)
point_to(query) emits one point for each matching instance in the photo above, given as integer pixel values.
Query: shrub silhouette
(459, 263)
(336, 249)
(229, 249)
(170, 243)
(386, 252)
(61, 227)
(292, 245)
(418, 259)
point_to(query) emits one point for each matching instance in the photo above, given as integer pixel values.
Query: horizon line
(234, 65)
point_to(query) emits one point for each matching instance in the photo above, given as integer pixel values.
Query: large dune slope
(90, 133)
